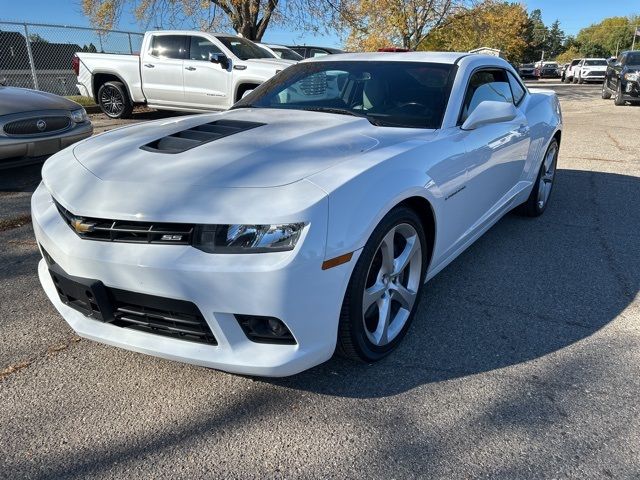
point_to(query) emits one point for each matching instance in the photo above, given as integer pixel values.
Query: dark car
(308, 51)
(527, 70)
(547, 70)
(34, 124)
(622, 79)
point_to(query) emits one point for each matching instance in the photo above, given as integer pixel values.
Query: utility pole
(635, 32)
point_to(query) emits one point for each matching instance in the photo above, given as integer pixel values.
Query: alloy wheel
(111, 101)
(392, 284)
(547, 177)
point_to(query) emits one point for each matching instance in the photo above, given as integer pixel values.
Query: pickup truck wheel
(606, 93)
(114, 101)
(619, 98)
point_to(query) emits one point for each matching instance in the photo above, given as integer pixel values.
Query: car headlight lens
(632, 76)
(79, 115)
(247, 238)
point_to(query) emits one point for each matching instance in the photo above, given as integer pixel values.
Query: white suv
(590, 70)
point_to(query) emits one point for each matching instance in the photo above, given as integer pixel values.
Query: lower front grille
(168, 317)
(161, 316)
(37, 125)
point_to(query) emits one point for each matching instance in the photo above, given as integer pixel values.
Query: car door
(206, 84)
(497, 152)
(162, 70)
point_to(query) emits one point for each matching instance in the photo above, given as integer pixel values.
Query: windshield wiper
(342, 111)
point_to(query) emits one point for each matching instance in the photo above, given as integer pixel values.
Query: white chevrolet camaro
(303, 221)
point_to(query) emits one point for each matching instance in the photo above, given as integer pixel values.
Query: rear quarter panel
(125, 67)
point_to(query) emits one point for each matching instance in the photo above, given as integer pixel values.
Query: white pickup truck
(176, 70)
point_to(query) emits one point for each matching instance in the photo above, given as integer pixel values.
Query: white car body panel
(173, 84)
(338, 174)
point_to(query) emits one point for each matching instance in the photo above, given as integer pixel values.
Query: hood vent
(194, 137)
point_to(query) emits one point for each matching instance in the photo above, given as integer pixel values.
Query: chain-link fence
(40, 56)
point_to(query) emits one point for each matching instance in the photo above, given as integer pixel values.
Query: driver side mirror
(220, 58)
(488, 112)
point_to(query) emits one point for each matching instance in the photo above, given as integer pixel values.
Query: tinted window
(244, 49)
(486, 85)
(201, 48)
(633, 59)
(394, 94)
(168, 46)
(594, 63)
(517, 89)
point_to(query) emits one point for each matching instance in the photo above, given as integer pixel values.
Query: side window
(517, 89)
(486, 85)
(168, 46)
(200, 49)
(316, 52)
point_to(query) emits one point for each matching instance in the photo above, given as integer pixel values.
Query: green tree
(605, 38)
(535, 36)
(555, 40)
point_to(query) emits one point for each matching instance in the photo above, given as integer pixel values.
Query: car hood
(18, 100)
(285, 147)
(271, 62)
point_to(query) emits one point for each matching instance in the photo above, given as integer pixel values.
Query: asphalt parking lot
(522, 362)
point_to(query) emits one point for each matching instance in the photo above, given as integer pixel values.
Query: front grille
(37, 125)
(595, 74)
(161, 316)
(315, 84)
(107, 230)
(168, 317)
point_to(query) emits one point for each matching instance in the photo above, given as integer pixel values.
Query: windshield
(287, 53)
(244, 49)
(550, 65)
(595, 63)
(633, 59)
(394, 94)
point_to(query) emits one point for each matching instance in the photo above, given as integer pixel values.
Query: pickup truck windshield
(244, 49)
(595, 63)
(389, 93)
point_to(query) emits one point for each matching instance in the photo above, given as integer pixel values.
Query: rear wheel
(384, 289)
(619, 98)
(114, 100)
(606, 93)
(537, 202)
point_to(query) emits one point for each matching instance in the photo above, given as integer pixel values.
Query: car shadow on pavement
(527, 288)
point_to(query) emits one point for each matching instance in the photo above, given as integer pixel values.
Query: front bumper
(290, 286)
(28, 149)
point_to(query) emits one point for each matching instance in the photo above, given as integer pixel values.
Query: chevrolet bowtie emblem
(80, 226)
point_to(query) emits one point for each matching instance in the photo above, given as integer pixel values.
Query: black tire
(353, 341)
(531, 207)
(114, 100)
(580, 81)
(575, 80)
(619, 98)
(606, 93)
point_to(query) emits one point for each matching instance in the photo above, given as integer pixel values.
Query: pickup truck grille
(107, 230)
(37, 125)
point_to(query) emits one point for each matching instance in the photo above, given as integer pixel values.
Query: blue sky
(573, 15)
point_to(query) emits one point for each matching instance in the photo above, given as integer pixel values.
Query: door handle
(149, 65)
(191, 69)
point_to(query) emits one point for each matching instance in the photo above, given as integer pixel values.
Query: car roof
(431, 57)
(328, 49)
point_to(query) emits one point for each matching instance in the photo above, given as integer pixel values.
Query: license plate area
(85, 295)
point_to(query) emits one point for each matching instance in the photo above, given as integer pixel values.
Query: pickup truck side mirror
(220, 58)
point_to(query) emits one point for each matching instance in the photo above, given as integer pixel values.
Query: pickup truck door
(162, 69)
(206, 84)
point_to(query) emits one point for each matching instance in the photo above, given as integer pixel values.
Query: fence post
(30, 54)
(130, 46)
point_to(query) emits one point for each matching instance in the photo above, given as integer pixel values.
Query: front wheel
(619, 98)
(538, 199)
(384, 288)
(114, 100)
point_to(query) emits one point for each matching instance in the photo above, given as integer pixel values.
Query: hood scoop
(194, 137)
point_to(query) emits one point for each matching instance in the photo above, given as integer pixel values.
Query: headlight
(632, 76)
(247, 238)
(79, 115)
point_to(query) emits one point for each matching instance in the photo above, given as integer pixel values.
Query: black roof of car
(328, 49)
